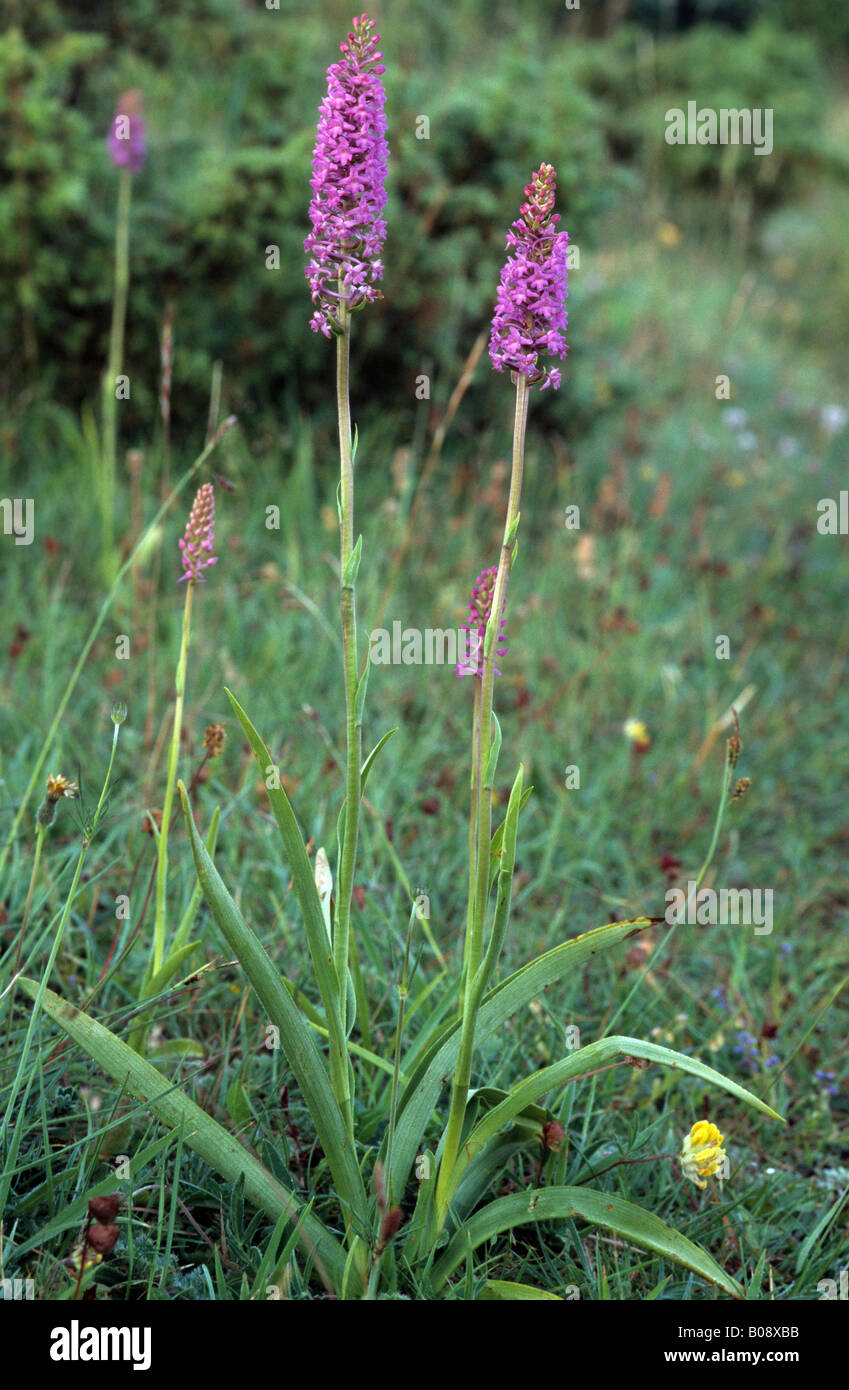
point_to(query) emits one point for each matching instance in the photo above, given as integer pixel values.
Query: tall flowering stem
(481, 820)
(196, 552)
(127, 151)
(353, 716)
(343, 268)
(528, 321)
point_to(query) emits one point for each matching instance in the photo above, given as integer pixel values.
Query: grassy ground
(698, 519)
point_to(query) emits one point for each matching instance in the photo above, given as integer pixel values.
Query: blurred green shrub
(231, 93)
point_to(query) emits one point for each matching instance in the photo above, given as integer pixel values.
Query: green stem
(39, 844)
(473, 838)
(727, 774)
(170, 786)
(353, 729)
(403, 995)
(479, 882)
(116, 357)
(40, 833)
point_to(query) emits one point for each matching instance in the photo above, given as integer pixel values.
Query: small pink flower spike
(196, 545)
(530, 317)
(480, 608)
(348, 177)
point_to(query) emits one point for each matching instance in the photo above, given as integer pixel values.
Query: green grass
(622, 624)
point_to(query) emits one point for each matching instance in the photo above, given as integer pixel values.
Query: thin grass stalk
(113, 370)
(88, 836)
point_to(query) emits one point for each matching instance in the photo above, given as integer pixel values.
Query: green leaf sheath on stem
(430, 1069)
(602, 1209)
(296, 1039)
(170, 783)
(348, 566)
(303, 877)
(504, 896)
(201, 1133)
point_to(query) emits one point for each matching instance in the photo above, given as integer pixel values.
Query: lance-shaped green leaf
(303, 877)
(603, 1209)
(369, 762)
(431, 1070)
(498, 837)
(296, 1039)
(200, 1132)
(352, 565)
(504, 895)
(494, 751)
(587, 1059)
(501, 1290)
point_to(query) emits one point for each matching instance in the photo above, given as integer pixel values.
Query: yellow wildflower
(636, 731)
(702, 1154)
(60, 786)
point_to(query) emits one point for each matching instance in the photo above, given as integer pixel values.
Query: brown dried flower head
(213, 739)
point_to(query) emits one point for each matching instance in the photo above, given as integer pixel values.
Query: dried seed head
(553, 1135)
(104, 1208)
(103, 1238)
(389, 1227)
(213, 739)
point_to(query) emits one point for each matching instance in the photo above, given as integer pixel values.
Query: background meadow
(698, 518)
